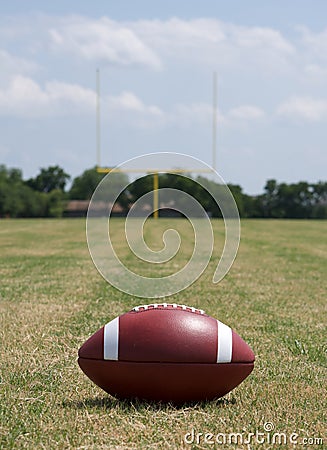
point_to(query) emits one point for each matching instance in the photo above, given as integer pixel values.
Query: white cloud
(305, 108)
(129, 110)
(316, 72)
(202, 113)
(260, 37)
(198, 33)
(176, 35)
(216, 43)
(102, 40)
(246, 112)
(127, 101)
(316, 43)
(188, 115)
(258, 67)
(152, 43)
(26, 98)
(11, 64)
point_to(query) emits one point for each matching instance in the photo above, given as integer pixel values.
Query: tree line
(46, 194)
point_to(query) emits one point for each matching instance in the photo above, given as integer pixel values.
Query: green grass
(52, 299)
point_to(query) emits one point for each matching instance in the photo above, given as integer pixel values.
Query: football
(166, 352)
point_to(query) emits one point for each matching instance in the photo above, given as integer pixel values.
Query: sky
(156, 62)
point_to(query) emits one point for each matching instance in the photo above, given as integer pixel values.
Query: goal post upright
(98, 126)
(214, 120)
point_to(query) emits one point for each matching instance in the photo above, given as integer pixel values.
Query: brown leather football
(166, 352)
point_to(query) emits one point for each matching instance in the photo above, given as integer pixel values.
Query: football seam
(166, 362)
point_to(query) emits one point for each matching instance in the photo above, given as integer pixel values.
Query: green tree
(294, 200)
(55, 203)
(49, 179)
(84, 186)
(239, 198)
(140, 187)
(17, 199)
(270, 199)
(11, 203)
(319, 202)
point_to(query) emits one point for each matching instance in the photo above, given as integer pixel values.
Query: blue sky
(156, 61)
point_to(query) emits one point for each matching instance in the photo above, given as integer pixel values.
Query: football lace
(167, 305)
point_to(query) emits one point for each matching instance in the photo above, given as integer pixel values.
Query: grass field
(52, 299)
